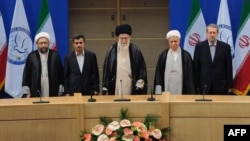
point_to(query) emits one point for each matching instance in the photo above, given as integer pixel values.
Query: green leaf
(124, 114)
(105, 120)
(150, 120)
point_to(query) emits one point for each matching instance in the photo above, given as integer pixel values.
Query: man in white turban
(43, 71)
(174, 70)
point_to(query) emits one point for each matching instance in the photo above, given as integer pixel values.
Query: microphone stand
(40, 100)
(121, 99)
(91, 94)
(151, 98)
(203, 95)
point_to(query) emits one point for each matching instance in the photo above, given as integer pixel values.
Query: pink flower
(136, 124)
(87, 137)
(98, 129)
(103, 137)
(125, 123)
(127, 131)
(156, 133)
(140, 127)
(144, 134)
(136, 138)
(108, 131)
(114, 126)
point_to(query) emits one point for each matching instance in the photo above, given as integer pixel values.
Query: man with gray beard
(43, 71)
(124, 69)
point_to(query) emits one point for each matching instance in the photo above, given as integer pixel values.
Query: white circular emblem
(20, 45)
(226, 36)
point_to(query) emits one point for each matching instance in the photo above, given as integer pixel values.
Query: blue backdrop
(59, 14)
(180, 10)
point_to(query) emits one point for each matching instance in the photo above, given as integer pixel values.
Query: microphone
(91, 94)
(121, 99)
(151, 98)
(40, 100)
(203, 95)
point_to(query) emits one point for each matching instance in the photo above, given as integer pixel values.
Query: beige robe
(123, 81)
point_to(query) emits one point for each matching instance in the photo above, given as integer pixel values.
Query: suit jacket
(217, 73)
(86, 81)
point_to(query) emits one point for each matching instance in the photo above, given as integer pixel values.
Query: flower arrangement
(125, 130)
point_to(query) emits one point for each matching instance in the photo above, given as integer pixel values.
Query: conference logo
(244, 41)
(193, 39)
(20, 45)
(226, 36)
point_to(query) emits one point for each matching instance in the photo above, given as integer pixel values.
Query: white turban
(42, 34)
(173, 33)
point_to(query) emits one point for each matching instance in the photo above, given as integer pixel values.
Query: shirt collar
(210, 44)
(82, 54)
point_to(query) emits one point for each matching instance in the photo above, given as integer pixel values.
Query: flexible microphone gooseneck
(40, 100)
(91, 94)
(203, 95)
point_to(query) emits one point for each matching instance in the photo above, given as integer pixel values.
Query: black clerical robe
(188, 86)
(138, 69)
(32, 73)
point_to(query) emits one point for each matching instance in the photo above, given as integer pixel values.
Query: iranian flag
(3, 52)
(45, 24)
(242, 53)
(196, 31)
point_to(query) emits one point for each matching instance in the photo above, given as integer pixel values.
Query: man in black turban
(124, 69)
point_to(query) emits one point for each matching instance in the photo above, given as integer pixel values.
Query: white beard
(123, 45)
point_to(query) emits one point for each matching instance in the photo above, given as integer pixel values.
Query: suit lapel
(84, 61)
(208, 52)
(76, 62)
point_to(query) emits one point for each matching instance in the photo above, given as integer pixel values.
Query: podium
(22, 120)
(204, 121)
(64, 117)
(138, 107)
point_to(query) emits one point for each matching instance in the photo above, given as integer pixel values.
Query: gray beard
(43, 50)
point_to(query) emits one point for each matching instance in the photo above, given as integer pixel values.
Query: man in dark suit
(213, 64)
(81, 69)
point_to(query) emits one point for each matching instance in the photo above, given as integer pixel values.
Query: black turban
(123, 28)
